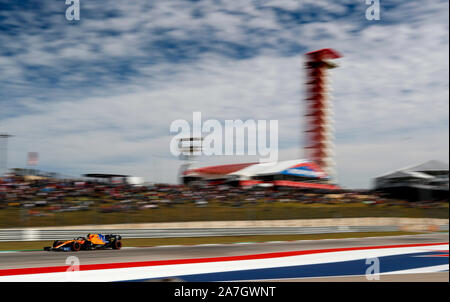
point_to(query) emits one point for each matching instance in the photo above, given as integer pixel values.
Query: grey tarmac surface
(45, 259)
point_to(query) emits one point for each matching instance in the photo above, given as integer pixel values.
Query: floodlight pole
(190, 148)
(4, 152)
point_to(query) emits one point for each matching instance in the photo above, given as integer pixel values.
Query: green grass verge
(16, 217)
(38, 245)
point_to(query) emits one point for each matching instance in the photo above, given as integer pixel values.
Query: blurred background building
(426, 181)
(298, 173)
(319, 110)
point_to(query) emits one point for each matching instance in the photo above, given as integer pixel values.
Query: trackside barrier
(31, 234)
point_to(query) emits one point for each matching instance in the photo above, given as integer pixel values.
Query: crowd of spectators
(59, 195)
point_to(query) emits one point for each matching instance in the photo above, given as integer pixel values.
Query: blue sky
(99, 94)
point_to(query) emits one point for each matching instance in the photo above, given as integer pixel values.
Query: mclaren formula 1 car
(90, 242)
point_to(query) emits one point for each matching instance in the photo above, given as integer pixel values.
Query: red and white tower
(319, 112)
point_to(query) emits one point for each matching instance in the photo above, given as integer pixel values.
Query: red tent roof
(222, 169)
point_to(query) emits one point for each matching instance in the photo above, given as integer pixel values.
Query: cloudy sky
(99, 94)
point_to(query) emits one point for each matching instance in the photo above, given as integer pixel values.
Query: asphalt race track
(14, 260)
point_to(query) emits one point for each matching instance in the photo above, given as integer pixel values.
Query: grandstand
(426, 181)
(298, 173)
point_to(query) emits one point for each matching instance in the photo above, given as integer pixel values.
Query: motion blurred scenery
(196, 121)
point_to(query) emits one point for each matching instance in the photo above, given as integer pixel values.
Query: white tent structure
(428, 180)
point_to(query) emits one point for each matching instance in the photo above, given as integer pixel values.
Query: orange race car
(90, 242)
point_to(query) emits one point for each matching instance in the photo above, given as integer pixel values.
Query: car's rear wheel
(117, 245)
(76, 246)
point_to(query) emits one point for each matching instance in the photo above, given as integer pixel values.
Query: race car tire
(76, 246)
(56, 243)
(117, 245)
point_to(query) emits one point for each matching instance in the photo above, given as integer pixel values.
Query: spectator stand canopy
(111, 178)
(426, 181)
(297, 173)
